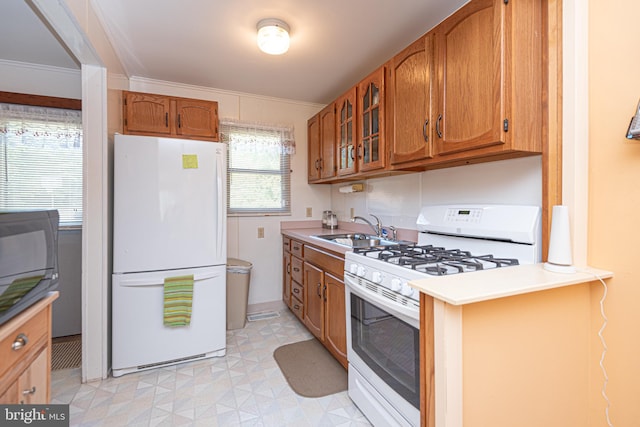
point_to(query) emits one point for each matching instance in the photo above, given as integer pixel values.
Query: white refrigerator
(169, 222)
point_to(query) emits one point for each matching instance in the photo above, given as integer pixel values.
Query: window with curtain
(41, 160)
(258, 168)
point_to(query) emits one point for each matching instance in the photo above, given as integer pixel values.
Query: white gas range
(383, 311)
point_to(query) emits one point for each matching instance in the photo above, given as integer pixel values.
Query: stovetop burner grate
(435, 260)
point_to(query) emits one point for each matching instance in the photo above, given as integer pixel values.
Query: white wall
(66, 314)
(37, 79)
(397, 200)
(266, 276)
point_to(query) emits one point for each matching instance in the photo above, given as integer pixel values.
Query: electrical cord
(604, 346)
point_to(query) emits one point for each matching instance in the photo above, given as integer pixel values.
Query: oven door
(383, 339)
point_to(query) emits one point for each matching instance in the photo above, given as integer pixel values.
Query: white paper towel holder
(559, 259)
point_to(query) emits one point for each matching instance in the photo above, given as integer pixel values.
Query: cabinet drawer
(297, 248)
(297, 308)
(296, 269)
(297, 290)
(286, 244)
(324, 261)
(31, 333)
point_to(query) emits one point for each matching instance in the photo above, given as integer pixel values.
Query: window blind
(41, 160)
(258, 168)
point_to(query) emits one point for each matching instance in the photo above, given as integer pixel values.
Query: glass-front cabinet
(346, 124)
(370, 151)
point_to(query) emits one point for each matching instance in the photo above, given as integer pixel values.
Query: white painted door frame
(95, 203)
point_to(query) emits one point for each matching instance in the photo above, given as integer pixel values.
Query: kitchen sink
(356, 240)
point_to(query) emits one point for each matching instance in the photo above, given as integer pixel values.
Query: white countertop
(459, 289)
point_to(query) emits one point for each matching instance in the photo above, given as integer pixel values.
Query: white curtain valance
(258, 137)
(37, 125)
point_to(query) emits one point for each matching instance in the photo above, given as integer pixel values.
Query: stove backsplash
(397, 200)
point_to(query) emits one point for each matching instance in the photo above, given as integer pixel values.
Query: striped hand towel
(178, 297)
(16, 290)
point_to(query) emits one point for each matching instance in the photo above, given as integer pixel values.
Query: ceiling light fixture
(273, 36)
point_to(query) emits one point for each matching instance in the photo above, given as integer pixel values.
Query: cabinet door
(197, 118)
(335, 318)
(11, 395)
(471, 80)
(328, 142)
(313, 147)
(313, 300)
(33, 387)
(286, 278)
(146, 113)
(345, 128)
(409, 99)
(371, 142)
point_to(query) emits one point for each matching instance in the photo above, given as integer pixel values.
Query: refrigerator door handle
(222, 196)
(160, 280)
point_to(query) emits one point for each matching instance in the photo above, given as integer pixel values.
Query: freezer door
(169, 204)
(139, 337)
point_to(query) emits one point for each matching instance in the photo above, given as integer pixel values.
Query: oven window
(388, 346)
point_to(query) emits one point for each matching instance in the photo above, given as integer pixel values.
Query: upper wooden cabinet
(313, 148)
(409, 99)
(345, 128)
(321, 134)
(371, 152)
(489, 88)
(159, 115)
(470, 90)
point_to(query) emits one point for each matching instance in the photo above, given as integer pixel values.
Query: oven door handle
(404, 313)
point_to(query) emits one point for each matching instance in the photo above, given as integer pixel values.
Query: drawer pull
(21, 341)
(296, 290)
(296, 306)
(296, 269)
(32, 390)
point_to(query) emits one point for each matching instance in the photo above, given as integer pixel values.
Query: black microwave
(28, 259)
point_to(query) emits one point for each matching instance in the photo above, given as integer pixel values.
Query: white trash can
(238, 278)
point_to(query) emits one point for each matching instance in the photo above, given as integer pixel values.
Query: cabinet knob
(20, 341)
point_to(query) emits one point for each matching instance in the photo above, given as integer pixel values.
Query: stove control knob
(353, 268)
(406, 290)
(361, 271)
(376, 277)
(396, 285)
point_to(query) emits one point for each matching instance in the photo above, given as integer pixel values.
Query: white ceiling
(211, 43)
(24, 38)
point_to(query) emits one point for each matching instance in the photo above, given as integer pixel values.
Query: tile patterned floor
(245, 388)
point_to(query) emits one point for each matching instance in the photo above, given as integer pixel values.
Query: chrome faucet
(376, 228)
(394, 232)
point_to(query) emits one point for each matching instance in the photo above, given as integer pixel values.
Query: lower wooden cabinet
(25, 351)
(318, 299)
(313, 301)
(335, 325)
(292, 290)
